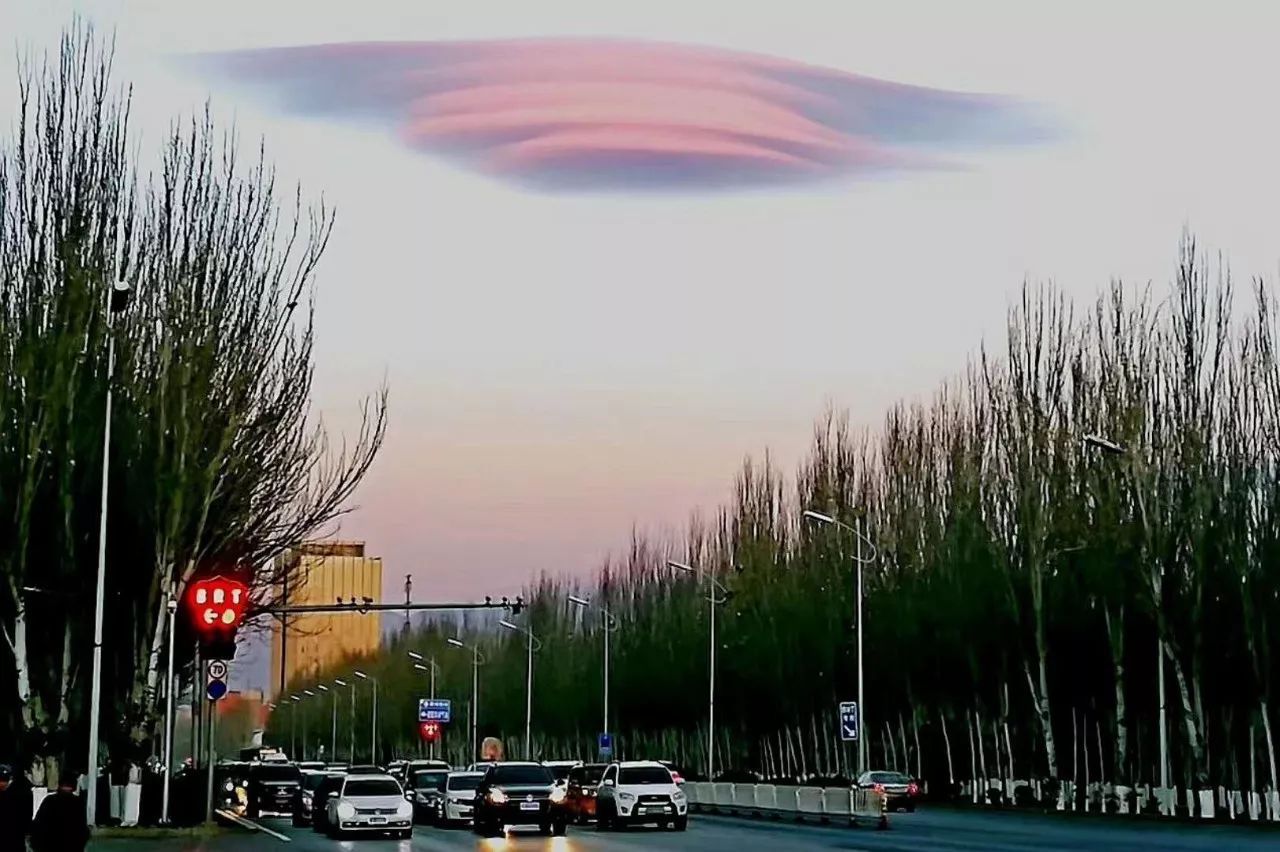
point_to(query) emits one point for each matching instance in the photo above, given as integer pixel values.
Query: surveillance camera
(172, 606)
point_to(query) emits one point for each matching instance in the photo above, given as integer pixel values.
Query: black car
(304, 799)
(330, 786)
(513, 793)
(426, 790)
(272, 788)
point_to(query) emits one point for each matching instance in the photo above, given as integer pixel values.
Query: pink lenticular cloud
(589, 114)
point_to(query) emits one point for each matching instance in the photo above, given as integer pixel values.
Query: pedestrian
(15, 812)
(60, 824)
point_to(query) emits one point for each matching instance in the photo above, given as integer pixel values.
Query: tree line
(1026, 584)
(216, 461)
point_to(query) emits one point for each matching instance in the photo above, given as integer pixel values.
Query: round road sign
(216, 689)
(217, 669)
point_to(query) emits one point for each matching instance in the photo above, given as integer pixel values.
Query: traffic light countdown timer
(216, 607)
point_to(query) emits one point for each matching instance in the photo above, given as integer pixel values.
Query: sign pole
(208, 802)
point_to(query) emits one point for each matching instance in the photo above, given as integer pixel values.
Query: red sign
(429, 731)
(217, 604)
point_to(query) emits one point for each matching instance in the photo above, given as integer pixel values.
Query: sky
(579, 343)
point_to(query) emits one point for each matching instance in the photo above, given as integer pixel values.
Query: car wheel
(406, 834)
(545, 829)
(682, 823)
(559, 828)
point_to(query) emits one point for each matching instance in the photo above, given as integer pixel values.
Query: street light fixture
(528, 687)
(476, 661)
(610, 625)
(117, 301)
(373, 718)
(859, 538)
(333, 736)
(714, 602)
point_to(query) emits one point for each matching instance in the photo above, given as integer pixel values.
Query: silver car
(460, 797)
(370, 804)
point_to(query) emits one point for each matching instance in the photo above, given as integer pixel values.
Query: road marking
(253, 826)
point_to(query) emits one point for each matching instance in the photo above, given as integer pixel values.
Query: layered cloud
(602, 114)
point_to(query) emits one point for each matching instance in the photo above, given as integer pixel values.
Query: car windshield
(889, 778)
(528, 774)
(464, 782)
(592, 774)
(431, 779)
(644, 775)
(371, 787)
(271, 772)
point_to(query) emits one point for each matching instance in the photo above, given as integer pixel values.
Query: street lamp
(714, 602)
(610, 624)
(351, 755)
(373, 718)
(309, 694)
(293, 725)
(528, 687)
(859, 538)
(476, 661)
(117, 301)
(431, 670)
(1111, 448)
(333, 737)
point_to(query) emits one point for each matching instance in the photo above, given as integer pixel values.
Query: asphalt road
(943, 830)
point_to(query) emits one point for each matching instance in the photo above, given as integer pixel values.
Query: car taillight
(677, 777)
(879, 788)
(912, 789)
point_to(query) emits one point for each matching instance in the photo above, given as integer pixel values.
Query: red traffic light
(429, 731)
(217, 605)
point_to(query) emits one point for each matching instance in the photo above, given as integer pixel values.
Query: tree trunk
(1271, 748)
(1040, 699)
(946, 741)
(915, 732)
(1115, 637)
(982, 757)
(1190, 720)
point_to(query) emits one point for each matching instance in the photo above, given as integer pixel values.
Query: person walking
(60, 824)
(15, 812)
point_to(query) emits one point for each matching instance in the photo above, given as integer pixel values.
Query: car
(560, 768)
(900, 792)
(519, 793)
(458, 803)
(423, 763)
(272, 788)
(640, 791)
(369, 804)
(365, 769)
(426, 790)
(314, 765)
(580, 794)
(304, 797)
(481, 765)
(675, 772)
(327, 789)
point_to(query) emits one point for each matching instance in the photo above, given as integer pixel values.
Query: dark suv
(514, 793)
(272, 788)
(330, 786)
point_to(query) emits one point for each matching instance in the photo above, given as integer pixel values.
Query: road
(942, 830)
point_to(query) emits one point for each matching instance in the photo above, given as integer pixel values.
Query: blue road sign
(606, 744)
(848, 720)
(215, 689)
(435, 710)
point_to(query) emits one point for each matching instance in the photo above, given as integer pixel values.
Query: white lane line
(253, 826)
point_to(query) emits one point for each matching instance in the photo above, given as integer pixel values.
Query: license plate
(377, 820)
(655, 809)
(529, 806)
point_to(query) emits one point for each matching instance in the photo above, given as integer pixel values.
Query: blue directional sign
(848, 720)
(435, 710)
(216, 689)
(606, 744)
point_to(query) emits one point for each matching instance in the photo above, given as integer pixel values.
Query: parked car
(272, 788)
(458, 804)
(369, 804)
(365, 769)
(640, 791)
(580, 794)
(426, 792)
(328, 788)
(519, 793)
(304, 797)
(900, 792)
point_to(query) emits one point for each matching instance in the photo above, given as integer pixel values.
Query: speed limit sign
(217, 669)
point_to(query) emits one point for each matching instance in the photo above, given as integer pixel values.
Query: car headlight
(626, 797)
(405, 809)
(497, 797)
(306, 799)
(677, 796)
(229, 786)
(557, 795)
(346, 810)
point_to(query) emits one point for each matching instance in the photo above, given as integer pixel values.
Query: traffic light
(216, 606)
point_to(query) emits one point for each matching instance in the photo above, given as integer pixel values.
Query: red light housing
(879, 788)
(676, 777)
(913, 789)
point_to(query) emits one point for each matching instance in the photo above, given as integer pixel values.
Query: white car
(640, 791)
(460, 797)
(370, 804)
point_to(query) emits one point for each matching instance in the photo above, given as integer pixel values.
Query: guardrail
(819, 804)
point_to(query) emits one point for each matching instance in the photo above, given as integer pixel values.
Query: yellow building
(315, 641)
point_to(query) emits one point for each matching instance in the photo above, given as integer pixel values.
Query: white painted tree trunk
(906, 755)
(982, 755)
(946, 741)
(1271, 747)
(1115, 637)
(915, 732)
(1189, 716)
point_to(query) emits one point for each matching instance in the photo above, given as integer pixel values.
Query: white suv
(640, 791)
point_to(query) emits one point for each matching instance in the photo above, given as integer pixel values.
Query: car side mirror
(607, 782)
(333, 794)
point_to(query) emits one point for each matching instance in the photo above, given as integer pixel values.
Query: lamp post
(528, 687)
(333, 737)
(172, 606)
(610, 624)
(351, 755)
(373, 717)
(431, 669)
(309, 694)
(1111, 448)
(117, 301)
(713, 602)
(476, 661)
(293, 724)
(859, 539)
